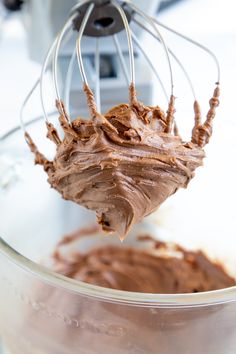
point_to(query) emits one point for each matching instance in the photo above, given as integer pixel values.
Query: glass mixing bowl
(42, 312)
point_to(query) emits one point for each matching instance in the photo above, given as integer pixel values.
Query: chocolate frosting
(161, 268)
(123, 164)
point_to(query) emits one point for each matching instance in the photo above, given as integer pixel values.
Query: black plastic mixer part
(13, 5)
(104, 20)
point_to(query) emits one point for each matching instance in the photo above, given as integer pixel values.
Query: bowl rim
(48, 276)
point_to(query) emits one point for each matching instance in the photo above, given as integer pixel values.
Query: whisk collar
(104, 20)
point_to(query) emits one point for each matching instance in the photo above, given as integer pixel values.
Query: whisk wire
(77, 6)
(40, 81)
(42, 77)
(172, 54)
(78, 43)
(68, 82)
(204, 48)
(129, 38)
(151, 22)
(97, 70)
(56, 53)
